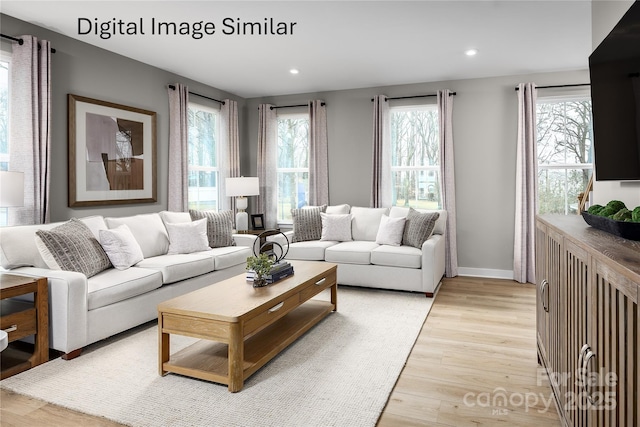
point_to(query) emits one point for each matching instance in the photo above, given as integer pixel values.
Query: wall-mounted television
(614, 68)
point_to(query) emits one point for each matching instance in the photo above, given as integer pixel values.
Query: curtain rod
(197, 94)
(21, 42)
(552, 86)
(274, 107)
(415, 96)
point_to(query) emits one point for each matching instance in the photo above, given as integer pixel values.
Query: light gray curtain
(381, 195)
(30, 140)
(318, 154)
(526, 186)
(178, 196)
(229, 152)
(267, 163)
(447, 179)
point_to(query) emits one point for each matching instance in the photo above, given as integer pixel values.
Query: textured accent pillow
(72, 247)
(307, 223)
(390, 231)
(219, 227)
(336, 227)
(121, 246)
(418, 227)
(188, 237)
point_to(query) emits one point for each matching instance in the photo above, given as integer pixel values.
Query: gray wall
(81, 69)
(484, 128)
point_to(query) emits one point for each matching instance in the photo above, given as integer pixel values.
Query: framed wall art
(112, 153)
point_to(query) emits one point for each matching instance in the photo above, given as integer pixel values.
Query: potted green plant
(261, 266)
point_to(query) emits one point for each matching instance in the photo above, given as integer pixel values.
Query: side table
(20, 319)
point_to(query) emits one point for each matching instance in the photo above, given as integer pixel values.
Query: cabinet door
(541, 297)
(613, 357)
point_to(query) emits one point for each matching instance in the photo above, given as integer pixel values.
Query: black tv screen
(614, 68)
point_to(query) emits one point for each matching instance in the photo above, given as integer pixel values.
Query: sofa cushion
(72, 247)
(357, 252)
(175, 217)
(178, 267)
(187, 237)
(219, 226)
(365, 222)
(338, 209)
(121, 247)
(397, 256)
(418, 228)
(390, 231)
(313, 250)
(307, 223)
(149, 231)
(230, 256)
(441, 223)
(336, 227)
(111, 286)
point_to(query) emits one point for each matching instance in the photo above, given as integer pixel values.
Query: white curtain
(447, 179)
(526, 186)
(267, 163)
(178, 196)
(318, 154)
(229, 152)
(30, 139)
(381, 191)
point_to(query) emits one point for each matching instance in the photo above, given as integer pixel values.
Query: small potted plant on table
(261, 266)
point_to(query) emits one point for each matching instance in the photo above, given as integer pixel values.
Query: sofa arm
(67, 306)
(244, 239)
(433, 262)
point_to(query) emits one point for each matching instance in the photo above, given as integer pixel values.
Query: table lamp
(11, 189)
(240, 188)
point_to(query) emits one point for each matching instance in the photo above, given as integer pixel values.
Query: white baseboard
(485, 272)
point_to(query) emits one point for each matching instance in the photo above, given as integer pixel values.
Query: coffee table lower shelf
(209, 360)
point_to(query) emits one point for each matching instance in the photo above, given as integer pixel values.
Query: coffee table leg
(236, 358)
(334, 296)
(163, 351)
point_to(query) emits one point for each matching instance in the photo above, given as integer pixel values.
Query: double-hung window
(564, 151)
(5, 63)
(293, 164)
(415, 156)
(204, 178)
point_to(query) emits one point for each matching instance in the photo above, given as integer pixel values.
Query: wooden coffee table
(242, 327)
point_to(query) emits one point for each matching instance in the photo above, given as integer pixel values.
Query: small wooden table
(243, 327)
(21, 319)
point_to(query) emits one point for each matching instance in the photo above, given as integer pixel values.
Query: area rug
(340, 373)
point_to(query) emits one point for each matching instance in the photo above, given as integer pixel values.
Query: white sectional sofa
(363, 262)
(85, 310)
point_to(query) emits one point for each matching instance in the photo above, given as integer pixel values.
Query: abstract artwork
(112, 153)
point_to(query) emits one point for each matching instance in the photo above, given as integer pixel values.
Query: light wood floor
(477, 344)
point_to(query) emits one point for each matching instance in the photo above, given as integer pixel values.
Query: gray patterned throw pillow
(72, 247)
(307, 223)
(219, 226)
(418, 227)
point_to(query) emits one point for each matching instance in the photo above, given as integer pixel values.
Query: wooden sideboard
(588, 321)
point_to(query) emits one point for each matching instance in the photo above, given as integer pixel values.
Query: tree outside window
(415, 156)
(565, 152)
(203, 182)
(293, 164)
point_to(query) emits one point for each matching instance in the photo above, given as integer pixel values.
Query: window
(293, 164)
(565, 152)
(415, 156)
(204, 191)
(4, 125)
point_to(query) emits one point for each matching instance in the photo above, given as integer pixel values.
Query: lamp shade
(243, 186)
(11, 189)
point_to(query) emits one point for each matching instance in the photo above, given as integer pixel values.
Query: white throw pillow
(336, 227)
(121, 247)
(187, 237)
(390, 231)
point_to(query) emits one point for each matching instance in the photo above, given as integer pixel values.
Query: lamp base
(242, 221)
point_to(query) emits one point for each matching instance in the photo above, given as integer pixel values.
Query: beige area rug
(340, 373)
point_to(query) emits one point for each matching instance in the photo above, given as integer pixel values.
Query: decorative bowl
(627, 230)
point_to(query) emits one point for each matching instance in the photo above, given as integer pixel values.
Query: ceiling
(334, 44)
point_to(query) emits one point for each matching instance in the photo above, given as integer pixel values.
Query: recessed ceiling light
(294, 71)
(471, 52)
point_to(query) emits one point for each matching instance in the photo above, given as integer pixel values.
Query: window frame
(200, 168)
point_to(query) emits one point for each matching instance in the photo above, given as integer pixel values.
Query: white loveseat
(85, 310)
(363, 262)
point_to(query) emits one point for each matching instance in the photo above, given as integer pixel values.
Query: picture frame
(257, 222)
(112, 153)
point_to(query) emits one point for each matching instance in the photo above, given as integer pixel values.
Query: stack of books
(279, 271)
